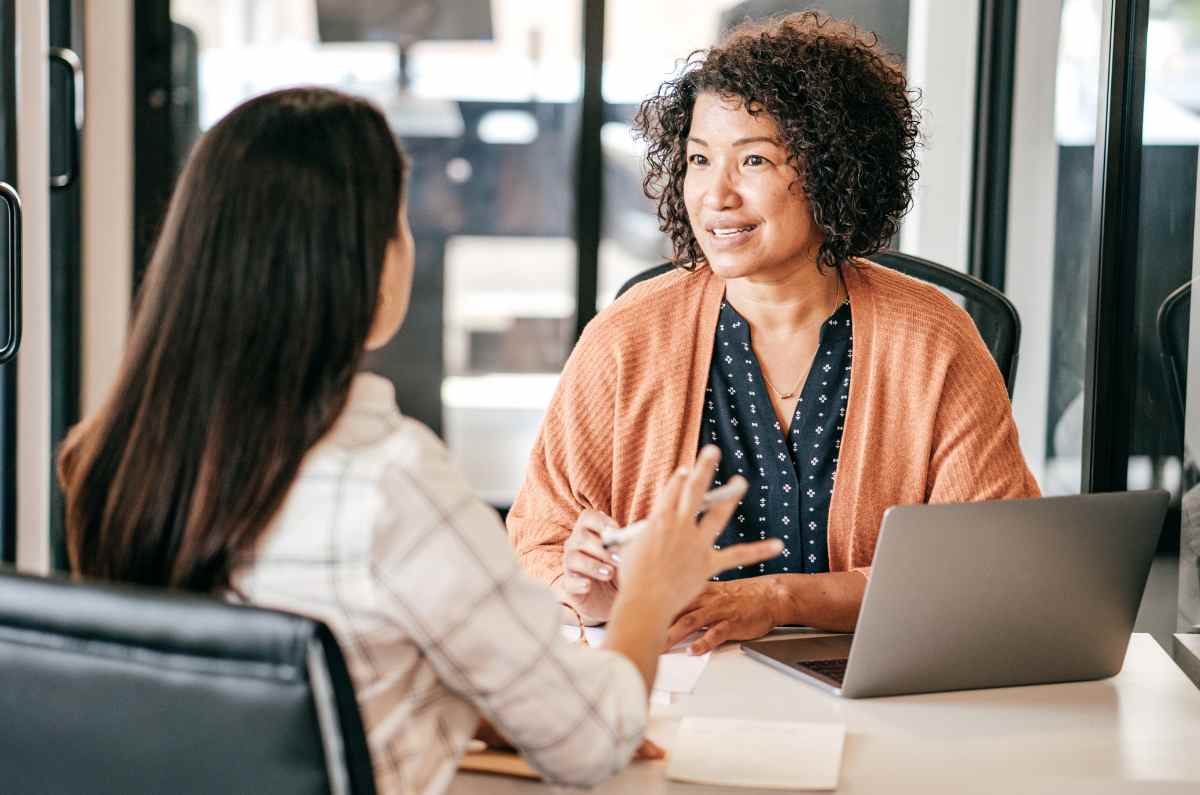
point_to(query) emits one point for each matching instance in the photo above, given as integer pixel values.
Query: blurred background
(487, 97)
(528, 212)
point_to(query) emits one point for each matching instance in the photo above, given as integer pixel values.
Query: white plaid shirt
(381, 538)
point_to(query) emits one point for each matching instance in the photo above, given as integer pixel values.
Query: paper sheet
(762, 754)
(678, 672)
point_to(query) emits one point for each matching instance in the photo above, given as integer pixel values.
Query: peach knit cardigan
(928, 419)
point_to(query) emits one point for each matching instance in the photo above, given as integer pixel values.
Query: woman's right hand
(589, 581)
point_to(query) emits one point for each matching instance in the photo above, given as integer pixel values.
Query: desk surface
(1136, 732)
(1187, 655)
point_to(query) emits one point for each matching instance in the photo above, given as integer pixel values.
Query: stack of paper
(678, 671)
(754, 753)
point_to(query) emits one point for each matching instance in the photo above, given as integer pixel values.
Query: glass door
(9, 286)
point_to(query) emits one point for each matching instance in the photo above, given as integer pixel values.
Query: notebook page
(763, 754)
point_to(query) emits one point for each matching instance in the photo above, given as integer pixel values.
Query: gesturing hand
(735, 610)
(675, 555)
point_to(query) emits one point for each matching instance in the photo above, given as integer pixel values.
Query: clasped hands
(724, 611)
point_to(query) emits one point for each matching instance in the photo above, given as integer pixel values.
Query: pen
(623, 535)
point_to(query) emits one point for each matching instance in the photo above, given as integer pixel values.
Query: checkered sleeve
(444, 570)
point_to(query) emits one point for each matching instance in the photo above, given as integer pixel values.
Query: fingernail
(604, 571)
(578, 587)
(616, 557)
(681, 471)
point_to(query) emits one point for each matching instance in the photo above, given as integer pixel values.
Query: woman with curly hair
(836, 387)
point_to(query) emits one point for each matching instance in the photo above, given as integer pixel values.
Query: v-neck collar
(731, 324)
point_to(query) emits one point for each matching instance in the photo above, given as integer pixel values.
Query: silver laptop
(989, 594)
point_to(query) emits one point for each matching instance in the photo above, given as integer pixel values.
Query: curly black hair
(845, 115)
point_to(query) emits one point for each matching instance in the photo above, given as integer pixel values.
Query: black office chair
(108, 689)
(1173, 336)
(994, 315)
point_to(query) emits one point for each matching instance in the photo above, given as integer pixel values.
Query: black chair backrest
(1173, 336)
(107, 689)
(994, 315)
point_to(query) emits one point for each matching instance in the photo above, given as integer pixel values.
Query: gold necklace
(791, 393)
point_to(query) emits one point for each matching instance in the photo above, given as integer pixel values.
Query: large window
(489, 97)
(485, 96)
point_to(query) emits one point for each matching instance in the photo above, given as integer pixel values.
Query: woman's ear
(395, 285)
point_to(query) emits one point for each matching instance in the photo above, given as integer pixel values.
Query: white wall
(33, 360)
(1031, 215)
(942, 57)
(107, 194)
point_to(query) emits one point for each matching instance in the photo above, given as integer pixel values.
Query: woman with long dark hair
(241, 453)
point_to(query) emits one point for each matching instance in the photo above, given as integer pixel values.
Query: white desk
(1137, 732)
(1187, 655)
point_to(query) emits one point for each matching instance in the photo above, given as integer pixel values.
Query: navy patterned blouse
(790, 470)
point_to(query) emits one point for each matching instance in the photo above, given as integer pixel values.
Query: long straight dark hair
(248, 330)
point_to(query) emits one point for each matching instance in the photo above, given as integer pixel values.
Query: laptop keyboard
(830, 669)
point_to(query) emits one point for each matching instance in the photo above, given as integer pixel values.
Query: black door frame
(995, 79)
(155, 166)
(8, 372)
(66, 249)
(1110, 371)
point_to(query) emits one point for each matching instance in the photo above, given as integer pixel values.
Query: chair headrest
(153, 619)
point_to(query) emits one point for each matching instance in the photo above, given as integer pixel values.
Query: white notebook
(757, 753)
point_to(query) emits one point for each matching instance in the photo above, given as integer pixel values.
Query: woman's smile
(726, 236)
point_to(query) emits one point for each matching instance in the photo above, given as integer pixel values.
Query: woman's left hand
(734, 610)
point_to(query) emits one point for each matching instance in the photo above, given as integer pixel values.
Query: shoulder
(914, 309)
(413, 461)
(373, 443)
(651, 307)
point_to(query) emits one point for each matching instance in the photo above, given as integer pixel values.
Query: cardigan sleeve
(570, 467)
(976, 452)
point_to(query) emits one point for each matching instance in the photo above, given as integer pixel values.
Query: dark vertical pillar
(1110, 371)
(988, 247)
(155, 154)
(589, 184)
(66, 223)
(8, 372)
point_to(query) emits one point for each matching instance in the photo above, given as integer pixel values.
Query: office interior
(1060, 165)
